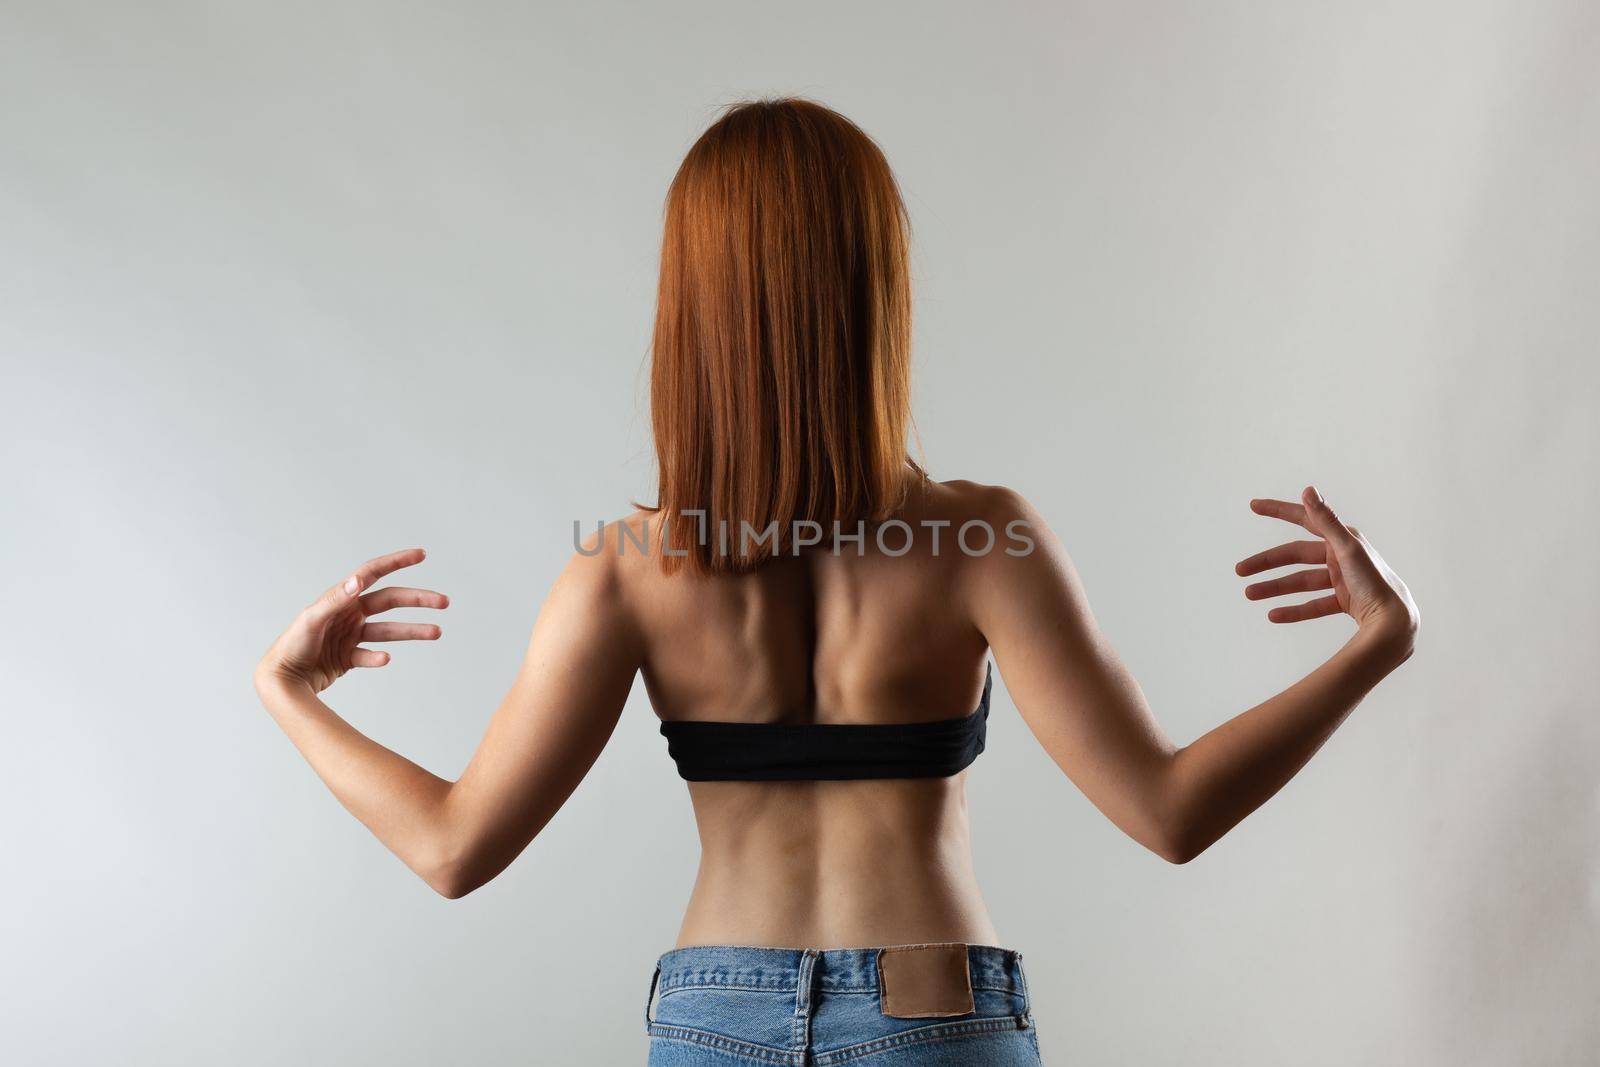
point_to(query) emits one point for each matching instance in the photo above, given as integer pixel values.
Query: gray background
(287, 285)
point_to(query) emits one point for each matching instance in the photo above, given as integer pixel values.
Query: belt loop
(804, 999)
(1022, 985)
(649, 1001)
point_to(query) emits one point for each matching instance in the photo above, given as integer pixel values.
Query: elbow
(1177, 841)
(452, 885)
(1177, 850)
(1178, 824)
(459, 859)
(452, 875)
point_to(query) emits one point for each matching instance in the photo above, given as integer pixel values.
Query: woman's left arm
(547, 733)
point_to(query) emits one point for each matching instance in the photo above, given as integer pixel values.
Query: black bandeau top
(827, 751)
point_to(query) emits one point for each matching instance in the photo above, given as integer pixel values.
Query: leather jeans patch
(924, 981)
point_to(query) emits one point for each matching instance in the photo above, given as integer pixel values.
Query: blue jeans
(743, 1007)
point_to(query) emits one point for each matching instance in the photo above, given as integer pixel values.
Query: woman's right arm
(1088, 712)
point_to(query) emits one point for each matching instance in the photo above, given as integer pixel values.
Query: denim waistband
(836, 970)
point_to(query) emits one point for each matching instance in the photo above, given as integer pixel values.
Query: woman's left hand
(325, 639)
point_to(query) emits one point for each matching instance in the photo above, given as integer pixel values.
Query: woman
(813, 617)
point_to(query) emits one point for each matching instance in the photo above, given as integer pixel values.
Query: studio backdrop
(288, 285)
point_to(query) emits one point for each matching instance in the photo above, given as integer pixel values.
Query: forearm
(401, 803)
(1219, 779)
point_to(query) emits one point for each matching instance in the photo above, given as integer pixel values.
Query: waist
(834, 864)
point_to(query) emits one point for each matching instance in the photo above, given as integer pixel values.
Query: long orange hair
(780, 369)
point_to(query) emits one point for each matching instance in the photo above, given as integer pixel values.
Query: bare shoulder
(612, 550)
(587, 617)
(609, 564)
(961, 501)
(1024, 552)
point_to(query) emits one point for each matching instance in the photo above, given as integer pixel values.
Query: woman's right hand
(1363, 586)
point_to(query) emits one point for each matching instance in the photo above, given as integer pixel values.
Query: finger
(367, 657)
(341, 593)
(1281, 509)
(1321, 520)
(1298, 582)
(1311, 609)
(334, 599)
(373, 570)
(1282, 556)
(402, 631)
(399, 596)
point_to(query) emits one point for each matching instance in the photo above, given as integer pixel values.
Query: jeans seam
(665, 990)
(692, 1036)
(672, 978)
(938, 1031)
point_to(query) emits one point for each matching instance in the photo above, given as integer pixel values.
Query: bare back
(858, 635)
